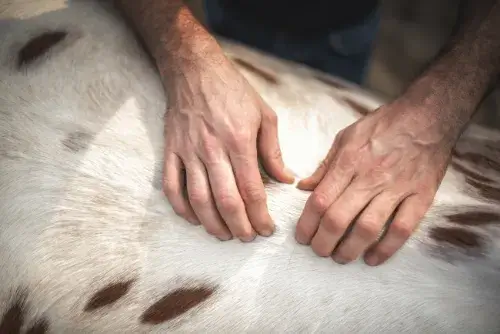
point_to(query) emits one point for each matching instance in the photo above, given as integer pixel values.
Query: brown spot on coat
(77, 141)
(13, 319)
(175, 304)
(108, 295)
(330, 82)
(39, 327)
(478, 160)
(358, 108)
(37, 46)
(469, 173)
(269, 77)
(458, 237)
(488, 192)
(474, 218)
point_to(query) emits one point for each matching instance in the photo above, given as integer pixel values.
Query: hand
(389, 162)
(216, 127)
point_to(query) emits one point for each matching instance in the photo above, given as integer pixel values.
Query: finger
(269, 148)
(311, 182)
(174, 184)
(406, 220)
(340, 215)
(329, 189)
(367, 227)
(201, 200)
(251, 188)
(228, 200)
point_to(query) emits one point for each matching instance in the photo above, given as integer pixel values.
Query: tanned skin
(386, 165)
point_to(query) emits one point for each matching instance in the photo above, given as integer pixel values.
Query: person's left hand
(389, 162)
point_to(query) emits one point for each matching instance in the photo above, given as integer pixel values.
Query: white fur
(71, 223)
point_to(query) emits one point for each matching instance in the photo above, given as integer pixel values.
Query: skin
(388, 164)
(217, 125)
(391, 163)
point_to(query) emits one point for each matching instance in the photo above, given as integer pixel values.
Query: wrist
(186, 46)
(190, 58)
(449, 92)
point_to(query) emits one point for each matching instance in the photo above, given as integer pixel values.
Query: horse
(90, 244)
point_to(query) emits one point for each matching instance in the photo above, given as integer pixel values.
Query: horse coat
(89, 243)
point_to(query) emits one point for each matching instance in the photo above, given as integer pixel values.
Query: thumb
(269, 148)
(311, 182)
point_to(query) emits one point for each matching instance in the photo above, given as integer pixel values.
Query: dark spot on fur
(358, 108)
(488, 192)
(37, 46)
(478, 160)
(13, 319)
(458, 237)
(108, 295)
(330, 82)
(269, 77)
(474, 218)
(77, 141)
(493, 145)
(469, 173)
(39, 327)
(175, 304)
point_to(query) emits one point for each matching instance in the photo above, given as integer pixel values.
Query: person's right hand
(216, 127)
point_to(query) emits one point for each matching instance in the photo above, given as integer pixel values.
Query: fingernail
(225, 237)
(249, 238)
(339, 260)
(372, 260)
(193, 221)
(301, 240)
(290, 175)
(267, 232)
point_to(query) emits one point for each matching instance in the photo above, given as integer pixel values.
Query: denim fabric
(345, 53)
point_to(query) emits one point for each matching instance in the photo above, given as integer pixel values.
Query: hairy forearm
(468, 66)
(173, 36)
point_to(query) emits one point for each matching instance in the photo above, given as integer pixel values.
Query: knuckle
(335, 224)
(228, 203)
(368, 230)
(319, 202)
(199, 199)
(253, 194)
(401, 231)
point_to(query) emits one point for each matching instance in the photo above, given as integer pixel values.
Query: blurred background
(411, 33)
